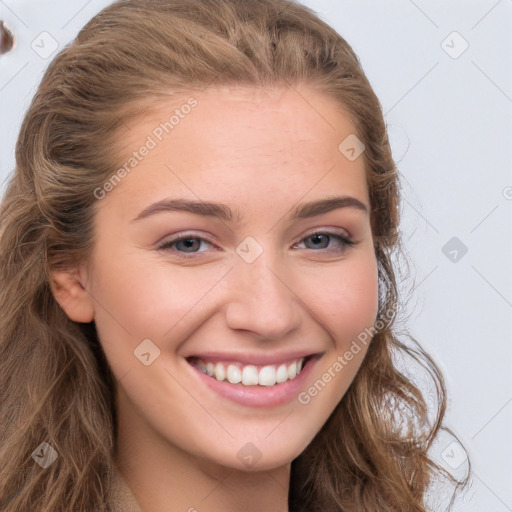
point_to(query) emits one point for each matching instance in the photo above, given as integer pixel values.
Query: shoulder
(121, 498)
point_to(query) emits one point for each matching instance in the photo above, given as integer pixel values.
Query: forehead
(240, 142)
(232, 117)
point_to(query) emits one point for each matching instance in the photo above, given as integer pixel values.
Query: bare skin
(262, 153)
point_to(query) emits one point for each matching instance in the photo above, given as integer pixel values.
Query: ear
(69, 291)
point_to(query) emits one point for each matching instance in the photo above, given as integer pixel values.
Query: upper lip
(256, 359)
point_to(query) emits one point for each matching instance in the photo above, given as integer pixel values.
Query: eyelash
(345, 242)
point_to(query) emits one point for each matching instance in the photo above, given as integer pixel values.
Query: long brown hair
(55, 384)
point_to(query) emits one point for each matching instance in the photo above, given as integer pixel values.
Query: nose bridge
(261, 300)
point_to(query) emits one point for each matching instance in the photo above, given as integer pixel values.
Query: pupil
(188, 242)
(317, 239)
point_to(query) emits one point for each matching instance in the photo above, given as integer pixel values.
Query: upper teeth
(251, 375)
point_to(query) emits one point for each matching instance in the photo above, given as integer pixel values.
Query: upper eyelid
(333, 230)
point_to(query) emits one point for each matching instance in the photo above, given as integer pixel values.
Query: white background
(449, 115)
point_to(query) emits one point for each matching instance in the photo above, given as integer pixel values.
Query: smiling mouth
(249, 374)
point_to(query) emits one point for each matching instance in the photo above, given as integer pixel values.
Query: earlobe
(69, 291)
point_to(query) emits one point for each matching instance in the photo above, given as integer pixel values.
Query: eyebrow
(225, 213)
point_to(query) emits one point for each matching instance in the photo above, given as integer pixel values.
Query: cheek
(348, 310)
(347, 302)
(138, 300)
(146, 298)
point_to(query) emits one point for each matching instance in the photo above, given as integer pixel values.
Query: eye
(186, 241)
(321, 239)
(187, 245)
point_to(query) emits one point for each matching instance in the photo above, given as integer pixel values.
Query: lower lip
(259, 396)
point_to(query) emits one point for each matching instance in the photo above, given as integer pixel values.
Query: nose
(262, 300)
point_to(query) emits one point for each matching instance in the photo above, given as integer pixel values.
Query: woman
(198, 295)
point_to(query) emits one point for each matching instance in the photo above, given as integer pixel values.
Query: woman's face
(244, 290)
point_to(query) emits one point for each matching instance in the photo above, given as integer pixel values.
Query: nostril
(6, 39)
